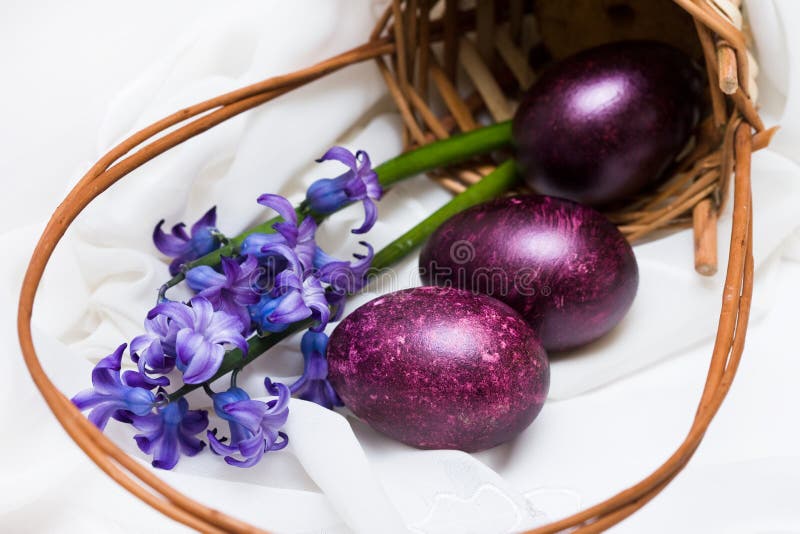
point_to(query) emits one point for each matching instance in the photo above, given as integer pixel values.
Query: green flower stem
(494, 184)
(445, 152)
(437, 154)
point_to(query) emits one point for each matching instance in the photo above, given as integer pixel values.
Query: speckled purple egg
(439, 368)
(607, 122)
(562, 265)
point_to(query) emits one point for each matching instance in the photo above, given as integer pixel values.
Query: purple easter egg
(439, 368)
(562, 265)
(607, 122)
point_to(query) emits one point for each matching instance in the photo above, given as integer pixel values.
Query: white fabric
(612, 414)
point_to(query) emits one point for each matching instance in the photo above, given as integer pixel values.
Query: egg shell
(439, 368)
(562, 265)
(607, 122)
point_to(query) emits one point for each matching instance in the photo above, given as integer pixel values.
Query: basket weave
(402, 45)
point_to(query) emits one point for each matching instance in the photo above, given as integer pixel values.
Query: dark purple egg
(439, 368)
(562, 265)
(607, 122)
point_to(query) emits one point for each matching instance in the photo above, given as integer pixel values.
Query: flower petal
(340, 154)
(188, 344)
(102, 413)
(247, 413)
(166, 452)
(176, 311)
(290, 310)
(217, 446)
(281, 391)
(281, 205)
(224, 328)
(203, 313)
(254, 244)
(370, 216)
(249, 462)
(190, 445)
(105, 375)
(194, 422)
(139, 379)
(169, 245)
(204, 364)
(253, 446)
(88, 398)
(204, 277)
(208, 220)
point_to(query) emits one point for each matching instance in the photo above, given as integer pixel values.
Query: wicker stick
(732, 284)
(705, 237)
(513, 57)
(673, 192)
(747, 108)
(412, 21)
(485, 29)
(739, 97)
(705, 181)
(450, 38)
(763, 138)
(451, 98)
(671, 188)
(728, 159)
(669, 214)
(423, 48)
(401, 50)
(726, 66)
(486, 85)
(517, 10)
(396, 91)
(473, 104)
(717, 96)
(691, 195)
(680, 183)
(427, 115)
(700, 10)
(448, 182)
(380, 25)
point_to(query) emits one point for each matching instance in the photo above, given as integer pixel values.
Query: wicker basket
(445, 80)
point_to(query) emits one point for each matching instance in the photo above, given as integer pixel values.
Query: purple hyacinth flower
(298, 237)
(110, 396)
(313, 385)
(295, 297)
(184, 247)
(344, 276)
(201, 339)
(267, 313)
(170, 432)
(254, 425)
(359, 182)
(232, 290)
(154, 352)
(254, 245)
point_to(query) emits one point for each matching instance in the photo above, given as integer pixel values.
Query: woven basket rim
(141, 481)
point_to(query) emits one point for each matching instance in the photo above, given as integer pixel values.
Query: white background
(62, 63)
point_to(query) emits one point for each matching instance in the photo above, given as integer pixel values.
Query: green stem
(494, 184)
(498, 181)
(445, 152)
(431, 156)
